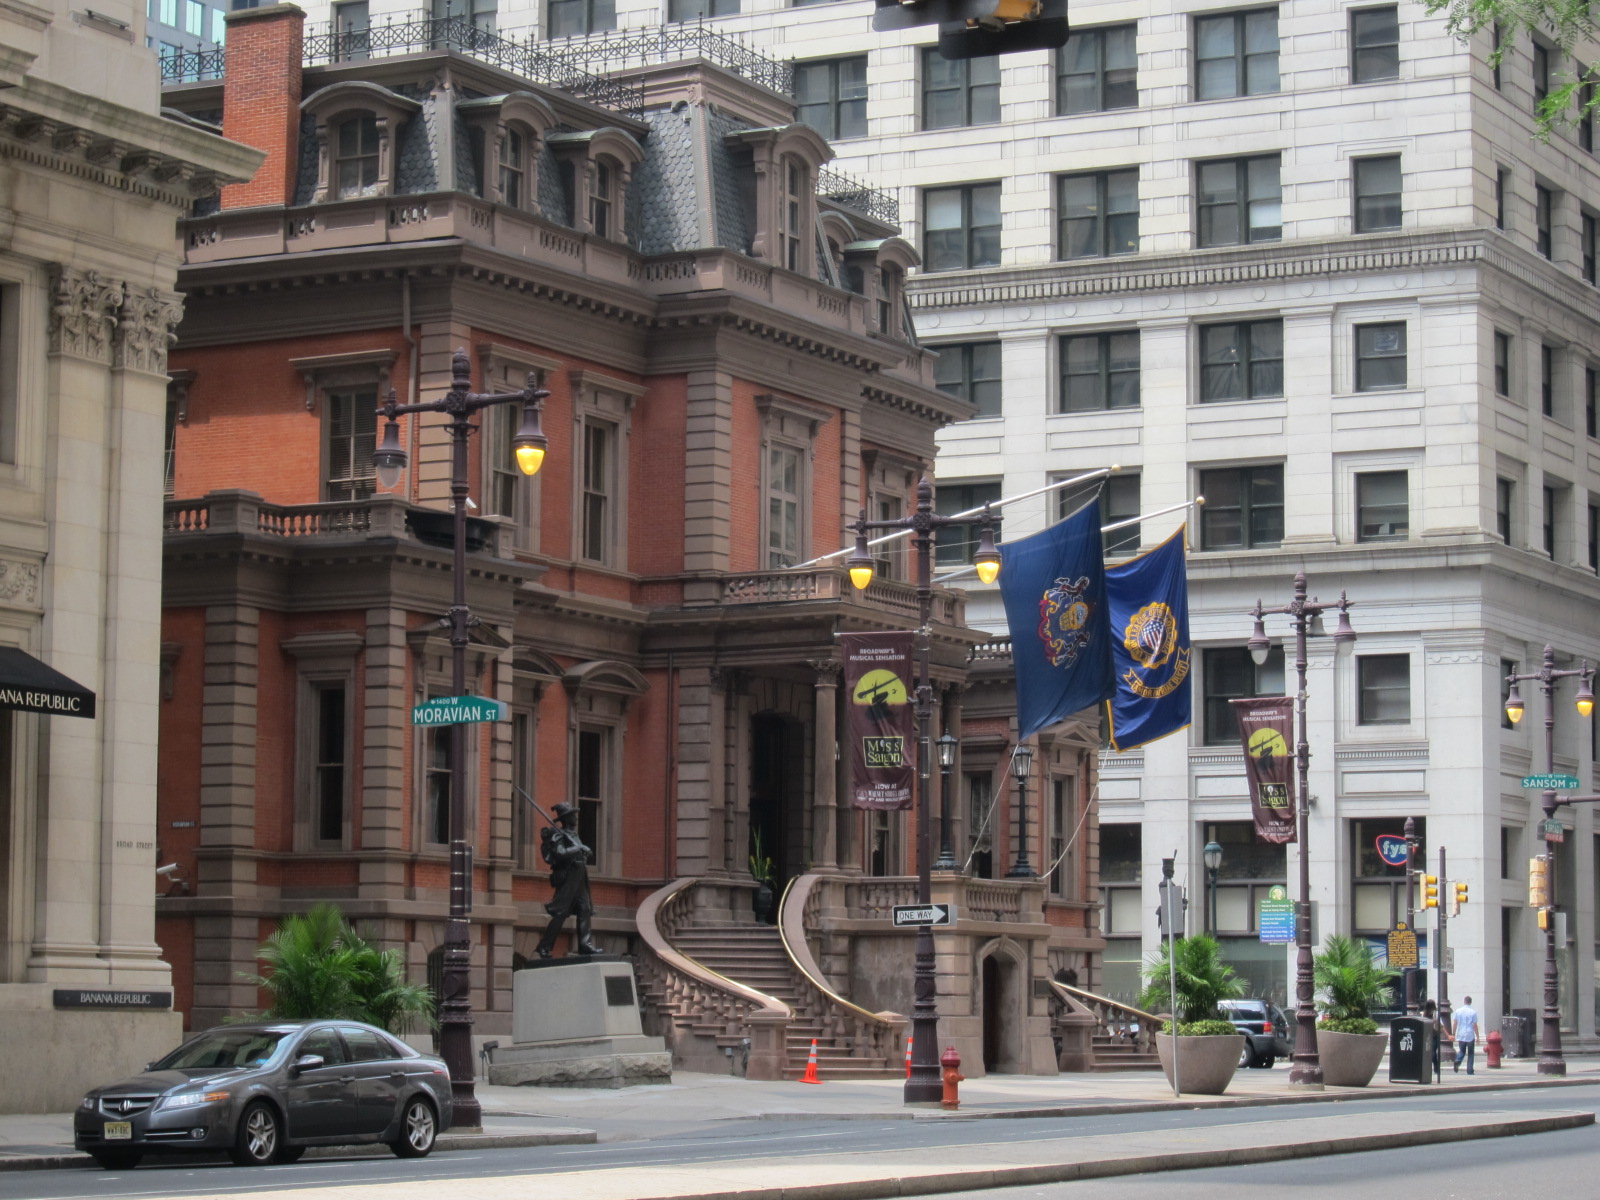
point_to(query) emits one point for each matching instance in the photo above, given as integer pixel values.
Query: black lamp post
(1306, 617)
(1551, 1061)
(460, 403)
(924, 1085)
(1212, 856)
(1021, 769)
(947, 759)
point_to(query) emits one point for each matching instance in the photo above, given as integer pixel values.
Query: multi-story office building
(1310, 261)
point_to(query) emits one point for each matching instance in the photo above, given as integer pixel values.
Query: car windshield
(223, 1048)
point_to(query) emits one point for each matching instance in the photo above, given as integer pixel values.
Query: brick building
(733, 374)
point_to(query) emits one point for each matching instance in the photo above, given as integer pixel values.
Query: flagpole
(1102, 473)
(1115, 525)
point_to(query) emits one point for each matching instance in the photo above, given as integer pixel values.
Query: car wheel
(290, 1154)
(118, 1160)
(259, 1138)
(419, 1128)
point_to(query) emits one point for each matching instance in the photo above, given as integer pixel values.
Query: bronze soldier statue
(569, 875)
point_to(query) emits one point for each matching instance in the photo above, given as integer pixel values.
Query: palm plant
(1203, 980)
(1352, 985)
(382, 995)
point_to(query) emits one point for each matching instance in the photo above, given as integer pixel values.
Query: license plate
(118, 1131)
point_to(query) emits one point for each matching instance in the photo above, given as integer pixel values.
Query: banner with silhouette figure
(1266, 730)
(880, 721)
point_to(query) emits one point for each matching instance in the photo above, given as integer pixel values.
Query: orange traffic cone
(908, 1056)
(811, 1065)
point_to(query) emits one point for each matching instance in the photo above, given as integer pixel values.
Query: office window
(1242, 360)
(594, 780)
(1377, 191)
(1385, 682)
(1240, 200)
(219, 26)
(1501, 179)
(169, 457)
(1547, 521)
(1380, 356)
(1508, 668)
(1230, 673)
(1097, 70)
(831, 96)
(962, 227)
(956, 92)
(1494, 55)
(352, 23)
(1502, 364)
(478, 15)
(971, 370)
(692, 10)
(1098, 214)
(1374, 44)
(575, 17)
(596, 515)
(169, 13)
(1383, 507)
(1591, 241)
(1119, 501)
(1236, 54)
(956, 544)
(1244, 508)
(1547, 380)
(1541, 74)
(1591, 402)
(1503, 493)
(1585, 117)
(194, 18)
(356, 157)
(1594, 538)
(1100, 371)
(1544, 219)
(350, 435)
(785, 501)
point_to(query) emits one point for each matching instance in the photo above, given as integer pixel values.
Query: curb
(1000, 1177)
(447, 1142)
(1131, 1107)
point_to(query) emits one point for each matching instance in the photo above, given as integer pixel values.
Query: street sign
(910, 916)
(1276, 921)
(458, 710)
(1550, 783)
(1553, 830)
(1449, 960)
(1402, 947)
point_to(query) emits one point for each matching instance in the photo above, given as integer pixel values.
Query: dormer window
(358, 165)
(601, 199)
(881, 265)
(507, 138)
(513, 168)
(792, 235)
(784, 160)
(596, 171)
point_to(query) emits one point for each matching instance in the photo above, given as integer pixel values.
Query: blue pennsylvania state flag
(1054, 588)
(1149, 603)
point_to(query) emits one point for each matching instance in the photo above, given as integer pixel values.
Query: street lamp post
(460, 403)
(1021, 769)
(947, 759)
(1212, 857)
(1306, 617)
(1409, 974)
(1551, 1061)
(924, 1085)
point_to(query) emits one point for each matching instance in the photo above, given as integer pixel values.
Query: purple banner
(1266, 730)
(879, 724)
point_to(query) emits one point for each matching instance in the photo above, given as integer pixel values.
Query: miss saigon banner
(1266, 730)
(1148, 598)
(879, 721)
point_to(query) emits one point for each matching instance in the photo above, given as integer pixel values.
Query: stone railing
(988, 900)
(868, 1034)
(1112, 1018)
(697, 1012)
(1003, 900)
(233, 511)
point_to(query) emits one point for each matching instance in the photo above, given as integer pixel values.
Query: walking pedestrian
(1430, 1014)
(1466, 1033)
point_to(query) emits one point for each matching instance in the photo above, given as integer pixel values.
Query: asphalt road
(726, 1141)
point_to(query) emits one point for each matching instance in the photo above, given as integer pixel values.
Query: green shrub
(1201, 1028)
(1349, 1025)
(1352, 984)
(1202, 980)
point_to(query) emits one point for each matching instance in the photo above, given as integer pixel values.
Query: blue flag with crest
(1148, 598)
(1054, 588)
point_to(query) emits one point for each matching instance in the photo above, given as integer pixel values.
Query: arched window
(792, 210)
(596, 171)
(507, 136)
(358, 133)
(513, 168)
(603, 197)
(785, 160)
(357, 159)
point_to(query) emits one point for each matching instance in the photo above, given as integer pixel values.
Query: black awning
(28, 685)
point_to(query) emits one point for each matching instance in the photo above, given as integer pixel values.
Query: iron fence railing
(875, 202)
(192, 66)
(621, 48)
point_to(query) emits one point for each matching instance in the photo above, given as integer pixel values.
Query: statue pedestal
(575, 1023)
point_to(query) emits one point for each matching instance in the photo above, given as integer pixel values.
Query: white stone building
(91, 188)
(1309, 260)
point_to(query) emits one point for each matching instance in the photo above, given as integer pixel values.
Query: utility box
(1513, 1037)
(1410, 1050)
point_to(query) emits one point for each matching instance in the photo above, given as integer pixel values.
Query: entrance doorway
(992, 1019)
(1000, 974)
(777, 784)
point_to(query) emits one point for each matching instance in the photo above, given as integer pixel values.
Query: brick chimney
(261, 99)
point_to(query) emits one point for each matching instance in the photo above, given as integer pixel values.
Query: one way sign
(913, 915)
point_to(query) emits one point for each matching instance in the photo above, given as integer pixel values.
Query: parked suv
(1265, 1029)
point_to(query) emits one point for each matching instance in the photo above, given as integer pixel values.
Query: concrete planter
(1349, 1059)
(1205, 1064)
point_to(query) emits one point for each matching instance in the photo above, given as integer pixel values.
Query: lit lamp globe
(987, 560)
(1514, 705)
(529, 444)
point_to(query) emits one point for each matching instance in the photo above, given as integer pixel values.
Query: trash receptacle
(1513, 1037)
(1410, 1050)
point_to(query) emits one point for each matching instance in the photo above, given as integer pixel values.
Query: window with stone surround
(957, 92)
(1585, 117)
(693, 10)
(478, 14)
(1377, 193)
(1241, 360)
(1591, 402)
(1244, 507)
(1097, 70)
(1119, 501)
(1384, 683)
(831, 95)
(788, 441)
(1381, 356)
(1236, 54)
(1383, 506)
(1100, 371)
(603, 415)
(961, 227)
(954, 545)
(1374, 44)
(785, 161)
(1542, 56)
(1502, 181)
(325, 728)
(506, 492)
(971, 371)
(571, 18)
(1239, 200)
(350, 434)
(600, 695)
(1504, 495)
(1098, 214)
(352, 22)
(1590, 237)
(1547, 380)
(1544, 204)
(507, 136)
(1230, 673)
(357, 131)
(1502, 363)
(357, 158)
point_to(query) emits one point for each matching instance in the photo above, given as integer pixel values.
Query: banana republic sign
(28, 685)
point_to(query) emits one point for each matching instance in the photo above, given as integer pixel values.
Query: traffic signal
(975, 28)
(1539, 885)
(1459, 899)
(1430, 891)
(1544, 919)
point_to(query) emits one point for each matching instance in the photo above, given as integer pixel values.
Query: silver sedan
(265, 1092)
